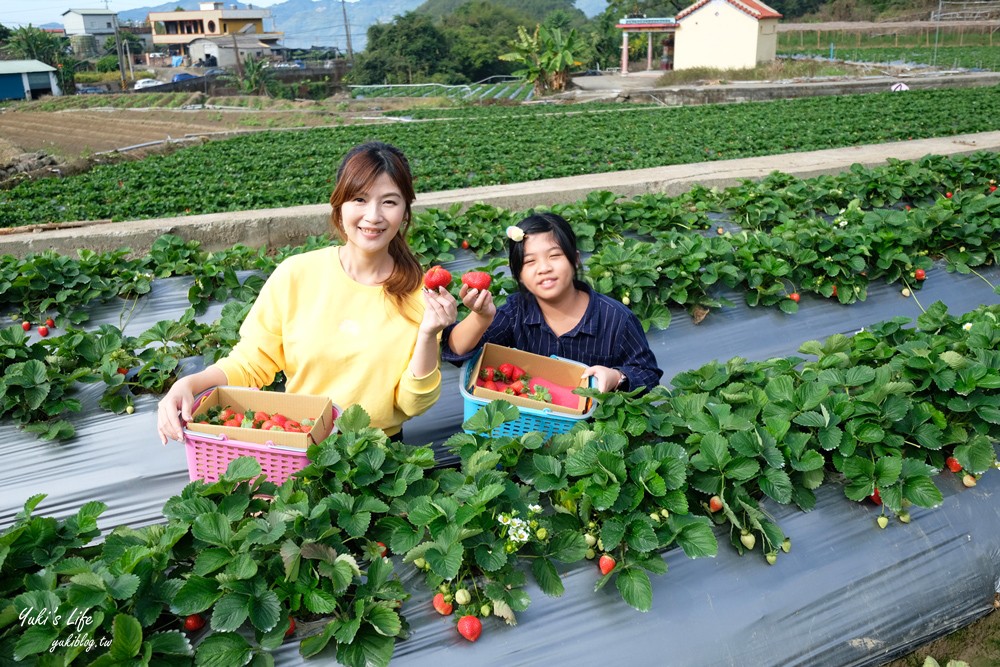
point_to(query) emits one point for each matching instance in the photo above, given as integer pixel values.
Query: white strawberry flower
(967, 326)
(515, 233)
(504, 520)
(535, 509)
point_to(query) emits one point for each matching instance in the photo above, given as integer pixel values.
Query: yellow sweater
(333, 337)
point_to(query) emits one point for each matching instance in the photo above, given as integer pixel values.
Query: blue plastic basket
(546, 420)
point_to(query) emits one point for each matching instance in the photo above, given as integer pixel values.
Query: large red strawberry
(194, 623)
(518, 373)
(436, 277)
(470, 627)
(953, 464)
(507, 371)
(488, 373)
(479, 280)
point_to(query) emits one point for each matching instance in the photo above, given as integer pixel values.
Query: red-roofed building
(726, 34)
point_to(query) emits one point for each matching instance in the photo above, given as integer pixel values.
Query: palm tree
(30, 43)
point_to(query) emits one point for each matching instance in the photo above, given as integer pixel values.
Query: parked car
(145, 83)
(182, 76)
(90, 90)
(215, 71)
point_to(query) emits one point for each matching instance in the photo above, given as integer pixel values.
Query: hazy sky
(15, 13)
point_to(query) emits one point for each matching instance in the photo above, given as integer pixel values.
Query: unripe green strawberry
(969, 480)
(786, 544)
(462, 596)
(904, 517)
(420, 563)
(665, 514)
(771, 557)
(600, 544)
(541, 533)
(748, 539)
(590, 540)
(655, 517)
(485, 611)
(590, 554)
(883, 521)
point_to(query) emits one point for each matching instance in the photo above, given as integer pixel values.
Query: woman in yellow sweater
(348, 322)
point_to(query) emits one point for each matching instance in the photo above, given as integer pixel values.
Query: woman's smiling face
(371, 219)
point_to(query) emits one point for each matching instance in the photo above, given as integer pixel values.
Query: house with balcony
(173, 32)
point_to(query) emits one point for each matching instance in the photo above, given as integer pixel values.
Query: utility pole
(347, 27)
(118, 48)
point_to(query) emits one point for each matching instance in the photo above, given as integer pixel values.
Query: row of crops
(267, 170)
(692, 467)
(966, 57)
(118, 101)
(829, 236)
(506, 91)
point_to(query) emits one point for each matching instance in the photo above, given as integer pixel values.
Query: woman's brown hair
(360, 167)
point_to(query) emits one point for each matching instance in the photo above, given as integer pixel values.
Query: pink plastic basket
(208, 457)
(208, 454)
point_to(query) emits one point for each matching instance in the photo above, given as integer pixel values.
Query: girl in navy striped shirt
(556, 313)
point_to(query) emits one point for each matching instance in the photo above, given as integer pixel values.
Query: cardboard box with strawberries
(297, 407)
(557, 376)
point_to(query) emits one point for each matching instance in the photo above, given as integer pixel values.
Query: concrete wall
(716, 35)
(767, 40)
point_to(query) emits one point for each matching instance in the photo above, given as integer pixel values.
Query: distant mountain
(321, 22)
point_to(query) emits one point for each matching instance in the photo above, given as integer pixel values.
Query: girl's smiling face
(546, 272)
(372, 219)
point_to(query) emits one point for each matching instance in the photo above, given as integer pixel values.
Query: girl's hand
(440, 310)
(479, 302)
(608, 379)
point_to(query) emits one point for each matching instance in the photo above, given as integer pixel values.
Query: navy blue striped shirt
(608, 334)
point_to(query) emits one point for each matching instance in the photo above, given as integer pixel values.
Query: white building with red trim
(726, 34)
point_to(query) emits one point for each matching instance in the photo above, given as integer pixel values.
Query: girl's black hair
(540, 223)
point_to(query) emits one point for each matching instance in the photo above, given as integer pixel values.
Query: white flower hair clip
(515, 233)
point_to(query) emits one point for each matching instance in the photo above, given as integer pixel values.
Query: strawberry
(465, 244)
(993, 188)
(123, 371)
(479, 280)
(441, 606)
(518, 373)
(834, 291)
(715, 503)
(266, 425)
(232, 423)
(488, 373)
(470, 627)
(279, 419)
(490, 384)
(291, 627)
(194, 623)
(748, 539)
(26, 326)
(516, 388)
(919, 274)
(507, 371)
(436, 277)
(969, 480)
(953, 464)
(50, 323)
(261, 416)
(43, 331)
(381, 549)
(606, 563)
(883, 521)
(876, 498)
(227, 414)
(794, 296)
(292, 425)
(948, 195)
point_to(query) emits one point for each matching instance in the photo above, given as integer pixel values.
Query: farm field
(753, 242)
(255, 171)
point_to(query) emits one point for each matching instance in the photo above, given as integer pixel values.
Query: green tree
(256, 79)
(30, 43)
(478, 34)
(135, 44)
(546, 56)
(4, 33)
(411, 49)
